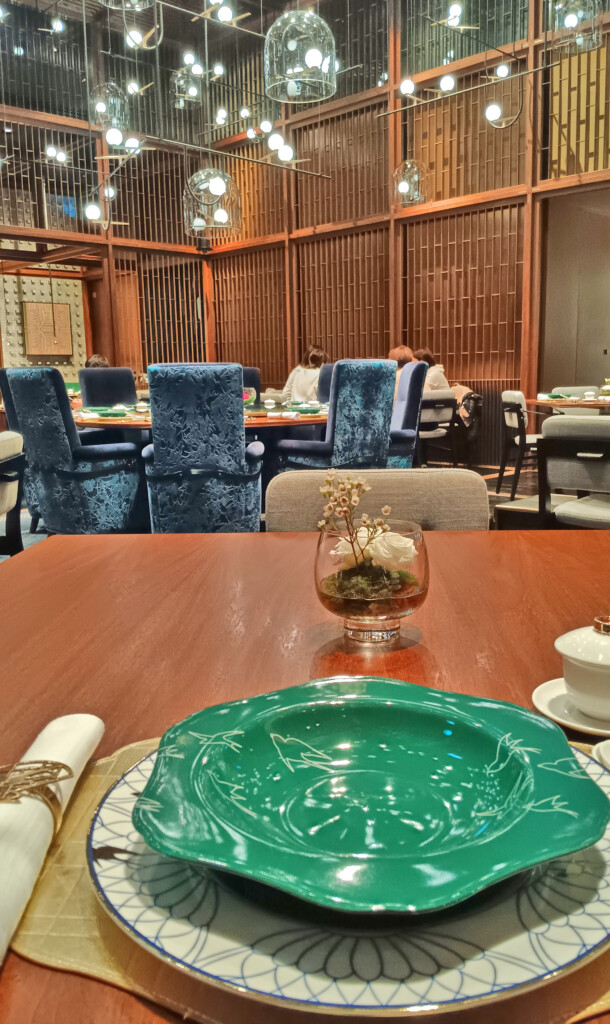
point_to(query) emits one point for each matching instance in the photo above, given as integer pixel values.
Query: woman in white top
(435, 377)
(302, 384)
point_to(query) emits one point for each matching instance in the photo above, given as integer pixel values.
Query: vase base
(372, 632)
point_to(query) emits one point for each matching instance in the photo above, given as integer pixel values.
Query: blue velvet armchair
(107, 385)
(28, 486)
(324, 382)
(405, 418)
(358, 428)
(96, 488)
(201, 476)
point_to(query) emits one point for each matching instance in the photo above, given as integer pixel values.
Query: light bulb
(407, 87)
(18, 51)
(114, 137)
(109, 192)
(313, 58)
(403, 187)
(493, 112)
(217, 186)
(220, 120)
(219, 69)
(133, 88)
(285, 152)
(92, 211)
(447, 83)
(275, 141)
(134, 38)
(51, 151)
(502, 71)
(188, 58)
(221, 112)
(198, 223)
(100, 107)
(225, 14)
(244, 112)
(455, 11)
(132, 144)
(571, 21)
(2, 13)
(453, 22)
(193, 90)
(266, 126)
(251, 133)
(61, 156)
(197, 69)
(291, 45)
(221, 216)
(337, 65)
(57, 25)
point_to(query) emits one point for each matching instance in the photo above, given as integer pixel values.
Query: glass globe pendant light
(409, 181)
(576, 25)
(210, 200)
(300, 59)
(109, 106)
(186, 87)
(127, 5)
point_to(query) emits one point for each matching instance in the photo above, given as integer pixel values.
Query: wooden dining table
(566, 404)
(145, 630)
(256, 419)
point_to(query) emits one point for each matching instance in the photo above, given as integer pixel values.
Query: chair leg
(518, 463)
(502, 468)
(452, 437)
(34, 522)
(14, 540)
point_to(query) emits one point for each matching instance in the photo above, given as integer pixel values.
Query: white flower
(345, 552)
(392, 551)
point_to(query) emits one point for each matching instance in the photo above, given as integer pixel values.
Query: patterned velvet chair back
(408, 400)
(107, 385)
(97, 489)
(43, 412)
(29, 486)
(201, 478)
(360, 411)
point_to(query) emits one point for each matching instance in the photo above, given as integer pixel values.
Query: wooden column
(209, 315)
(532, 240)
(395, 156)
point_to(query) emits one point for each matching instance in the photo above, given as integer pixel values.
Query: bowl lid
(590, 644)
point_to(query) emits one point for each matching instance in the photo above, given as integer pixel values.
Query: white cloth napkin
(26, 827)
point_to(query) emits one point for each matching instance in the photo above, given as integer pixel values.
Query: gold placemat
(65, 927)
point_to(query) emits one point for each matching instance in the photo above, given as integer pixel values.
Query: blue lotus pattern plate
(513, 937)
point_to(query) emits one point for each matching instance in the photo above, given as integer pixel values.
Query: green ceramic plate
(369, 794)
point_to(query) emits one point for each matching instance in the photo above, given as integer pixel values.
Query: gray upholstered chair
(12, 465)
(574, 455)
(437, 499)
(570, 389)
(516, 440)
(436, 422)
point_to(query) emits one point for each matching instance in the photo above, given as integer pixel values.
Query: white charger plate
(552, 700)
(516, 936)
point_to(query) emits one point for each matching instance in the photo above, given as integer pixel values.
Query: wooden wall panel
(579, 113)
(249, 305)
(343, 286)
(352, 148)
(463, 285)
(461, 151)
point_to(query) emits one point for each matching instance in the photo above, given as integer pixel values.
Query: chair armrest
(397, 436)
(148, 453)
(100, 452)
(305, 447)
(255, 451)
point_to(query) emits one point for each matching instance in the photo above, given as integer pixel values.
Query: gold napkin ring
(34, 779)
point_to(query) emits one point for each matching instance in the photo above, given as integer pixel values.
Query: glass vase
(374, 587)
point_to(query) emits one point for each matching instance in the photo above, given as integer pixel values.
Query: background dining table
(255, 418)
(566, 404)
(145, 630)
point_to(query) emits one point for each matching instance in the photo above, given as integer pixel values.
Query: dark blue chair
(201, 476)
(252, 379)
(324, 382)
(80, 488)
(107, 385)
(28, 486)
(358, 428)
(405, 417)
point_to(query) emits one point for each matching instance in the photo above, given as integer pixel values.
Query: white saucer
(552, 700)
(601, 753)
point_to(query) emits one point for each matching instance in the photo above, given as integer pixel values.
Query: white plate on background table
(601, 753)
(516, 936)
(552, 700)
